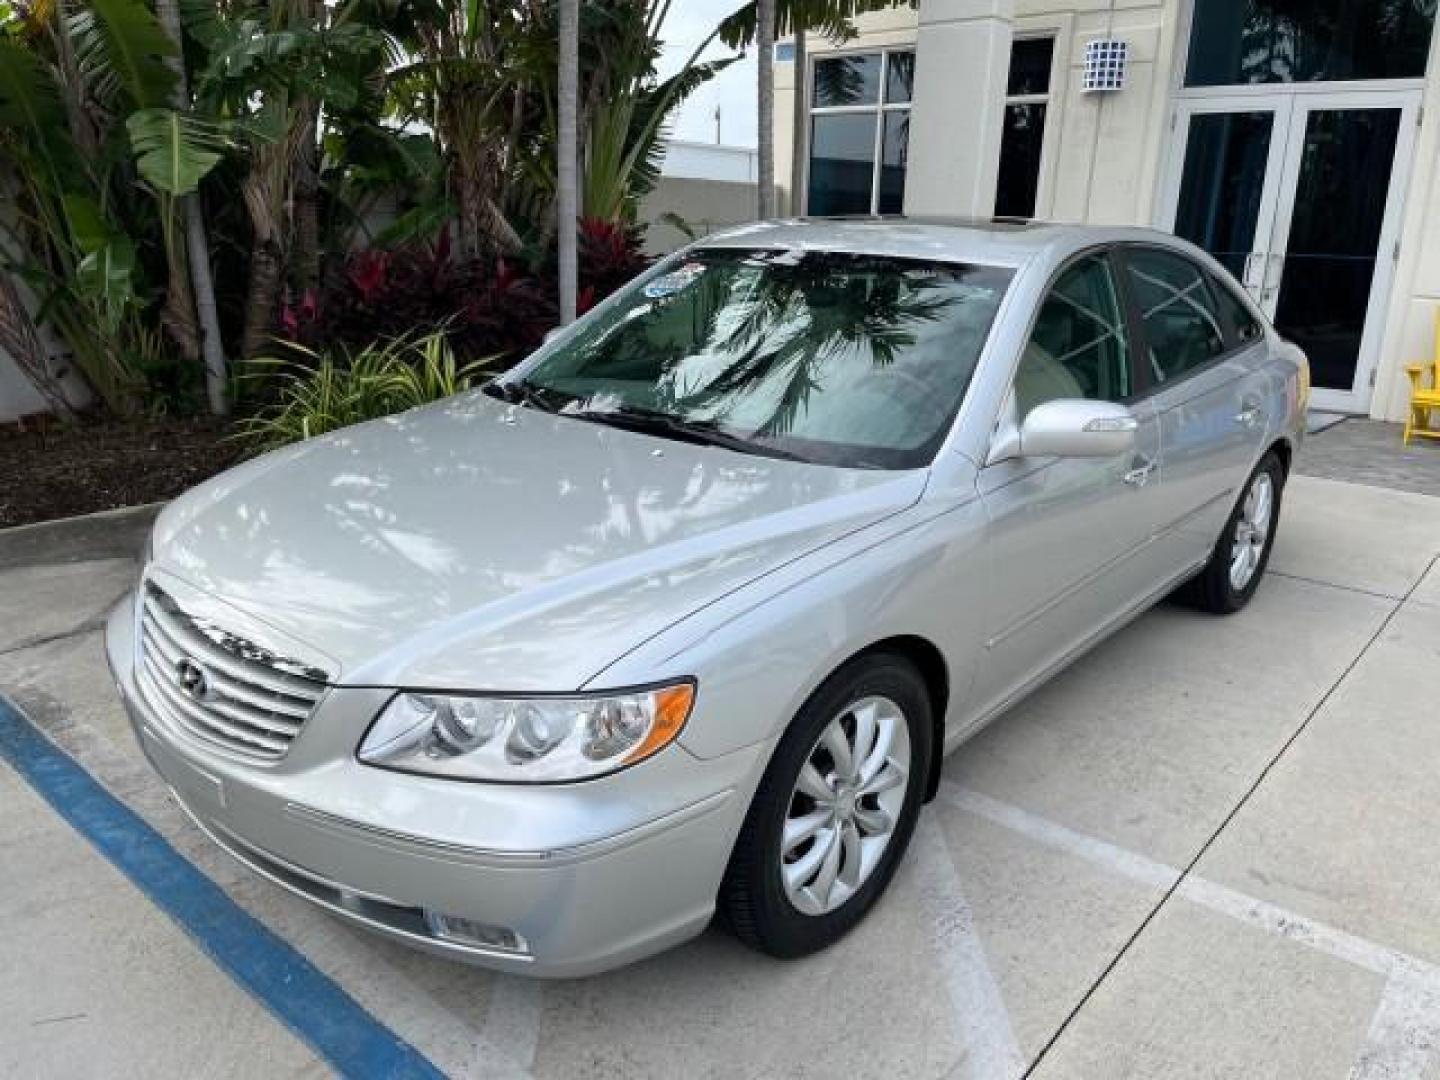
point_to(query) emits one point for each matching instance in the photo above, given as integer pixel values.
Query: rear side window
(1183, 328)
(1247, 327)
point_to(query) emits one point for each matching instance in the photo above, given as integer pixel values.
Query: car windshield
(841, 359)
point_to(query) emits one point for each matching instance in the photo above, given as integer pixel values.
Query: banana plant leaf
(175, 151)
(106, 277)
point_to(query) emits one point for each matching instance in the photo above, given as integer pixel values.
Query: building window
(1022, 139)
(859, 132)
(1235, 42)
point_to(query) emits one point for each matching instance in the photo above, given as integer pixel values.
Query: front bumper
(590, 876)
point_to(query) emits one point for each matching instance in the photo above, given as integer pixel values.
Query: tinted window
(847, 80)
(1079, 347)
(1022, 139)
(842, 163)
(895, 152)
(899, 77)
(1247, 327)
(1226, 155)
(1269, 41)
(849, 123)
(855, 360)
(1030, 66)
(1177, 308)
(1022, 130)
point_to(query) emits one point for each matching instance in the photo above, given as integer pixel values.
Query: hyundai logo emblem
(192, 678)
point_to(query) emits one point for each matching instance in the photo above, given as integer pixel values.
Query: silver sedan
(680, 615)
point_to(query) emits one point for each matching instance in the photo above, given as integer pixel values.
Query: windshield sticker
(675, 281)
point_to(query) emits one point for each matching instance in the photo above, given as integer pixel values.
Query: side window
(1079, 346)
(1247, 328)
(1177, 308)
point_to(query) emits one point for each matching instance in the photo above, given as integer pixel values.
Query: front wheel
(1241, 554)
(834, 812)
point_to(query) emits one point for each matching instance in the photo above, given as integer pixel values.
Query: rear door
(1201, 354)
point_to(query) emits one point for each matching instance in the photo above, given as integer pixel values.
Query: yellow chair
(1424, 400)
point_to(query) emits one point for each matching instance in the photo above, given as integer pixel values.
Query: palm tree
(566, 186)
(765, 102)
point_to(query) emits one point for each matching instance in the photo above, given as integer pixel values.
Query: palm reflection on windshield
(856, 360)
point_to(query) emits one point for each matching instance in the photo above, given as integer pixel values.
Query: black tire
(753, 901)
(1212, 589)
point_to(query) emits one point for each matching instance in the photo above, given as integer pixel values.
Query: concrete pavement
(1208, 849)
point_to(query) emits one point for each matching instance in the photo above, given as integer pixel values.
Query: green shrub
(312, 393)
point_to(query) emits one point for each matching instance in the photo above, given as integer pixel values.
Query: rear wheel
(834, 813)
(1243, 551)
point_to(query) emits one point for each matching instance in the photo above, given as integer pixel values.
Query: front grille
(219, 687)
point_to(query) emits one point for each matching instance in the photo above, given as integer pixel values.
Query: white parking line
(982, 1023)
(1128, 864)
(1404, 1034)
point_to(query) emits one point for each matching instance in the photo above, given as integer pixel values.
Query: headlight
(525, 739)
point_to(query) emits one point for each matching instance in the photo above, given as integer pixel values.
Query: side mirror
(1078, 428)
(1066, 429)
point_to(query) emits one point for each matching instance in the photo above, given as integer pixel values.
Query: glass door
(1227, 160)
(1336, 235)
(1299, 194)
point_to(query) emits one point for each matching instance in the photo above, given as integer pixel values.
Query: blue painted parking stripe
(290, 986)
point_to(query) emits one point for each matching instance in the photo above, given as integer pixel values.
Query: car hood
(478, 545)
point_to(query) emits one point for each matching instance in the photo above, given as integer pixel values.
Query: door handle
(1249, 416)
(1271, 284)
(1253, 273)
(1139, 476)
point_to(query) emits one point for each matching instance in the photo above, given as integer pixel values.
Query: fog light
(463, 931)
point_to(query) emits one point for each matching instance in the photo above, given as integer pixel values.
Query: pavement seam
(1188, 869)
(89, 626)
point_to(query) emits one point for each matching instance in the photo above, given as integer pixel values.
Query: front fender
(760, 653)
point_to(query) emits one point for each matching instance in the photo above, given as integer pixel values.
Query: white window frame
(878, 108)
(1050, 99)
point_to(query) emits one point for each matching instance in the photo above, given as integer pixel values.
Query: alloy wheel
(1252, 530)
(845, 805)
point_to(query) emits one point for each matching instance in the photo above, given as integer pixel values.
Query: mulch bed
(51, 471)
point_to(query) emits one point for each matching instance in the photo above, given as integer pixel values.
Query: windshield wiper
(518, 392)
(701, 432)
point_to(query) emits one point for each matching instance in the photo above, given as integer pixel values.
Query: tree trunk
(567, 187)
(21, 342)
(306, 254)
(799, 136)
(765, 101)
(305, 187)
(266, 267)
(197, 241)
(264, 189)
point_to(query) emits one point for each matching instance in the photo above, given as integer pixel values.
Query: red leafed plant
(610, 254)
(488, 307)
(368, 272)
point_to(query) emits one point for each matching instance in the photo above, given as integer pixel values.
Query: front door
(1069, 540)
(1299, 194)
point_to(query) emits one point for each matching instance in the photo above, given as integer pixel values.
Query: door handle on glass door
(1139, 475)
(1253, 273)
(1272, 280)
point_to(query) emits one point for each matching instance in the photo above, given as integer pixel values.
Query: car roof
(994, 243)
